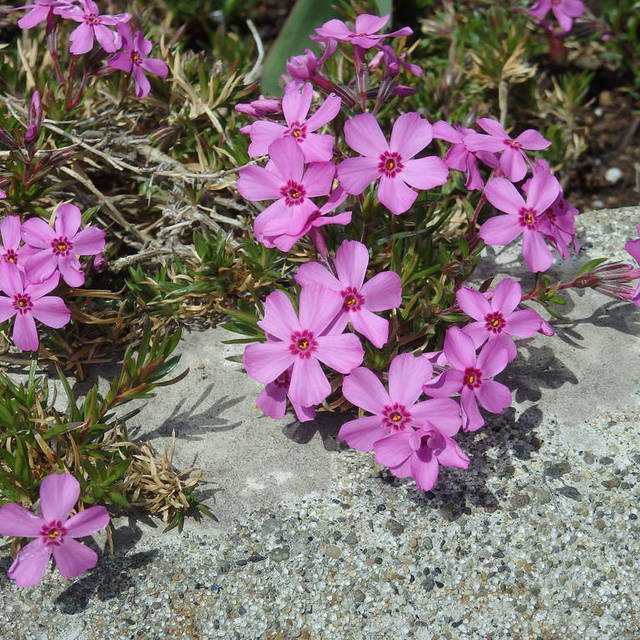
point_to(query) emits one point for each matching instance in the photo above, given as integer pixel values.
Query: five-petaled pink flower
(40, 10)
(272, 401)
(133, 59)
(418, 454)
(397, 410)
(295, 105)
(11, 251)
(365, 34)
(513, 160)
(563, 10)
(522, 217)
(54, 532)
(498, 316)
(93, 25)
(471, 376)
(391, 162)
(28, 303)
(285, 180)
(360, 299)
(60, 247)
(302, 343)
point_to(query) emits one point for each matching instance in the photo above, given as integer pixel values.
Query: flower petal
(59, 493)
(314, 273)
(74, 558)
(287, 158)
(327, 111)
(407, 375)
(425, 472)
(81, 39)
(493, 358)
(394, 450)
(533, 140)
(372, 327)
(493, 396)
(317, 147)
(37, 233)
(10, 231)
(155, 67)
(513, 164)
(536, 253)
(459, 349)
(452, 455)
(52, 311)
(544, 188)
(87, 522)
(506, 296)
(89, 242)
(473, 303)
(411, 133)
(442, 413)
(272, 401)
(30, 564)
(382, 292)
(25, 334)
(352, 259)
(6, 308)
(394, 194)
(280, 319)
(71, 271)
(17, 521)
(264, 362)
(318, 178)
(258, 183)
(361, 433)
(362, 388)
(504, 196)
(471, 418)
(425, 173)
(296, 102)
(523, 323)
(500, 230)
(356, 174)
(309, 385)
(363, 134)
(342, 352)
(318, 307)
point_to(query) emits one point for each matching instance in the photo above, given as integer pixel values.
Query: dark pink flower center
(495, 322)
(136, 57)
(92, 19)
(390, 164)
(22, 303)
(297, 131)
(52, 534)
(283, 380)
(352, 299)
(395, 416)
(61, 246)
(528, 218)
(303, 344)
(472, 378)
(293, 193)
(514, 144)
(424, 441)
(11, 256)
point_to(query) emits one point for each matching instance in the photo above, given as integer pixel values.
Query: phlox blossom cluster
(34, 257)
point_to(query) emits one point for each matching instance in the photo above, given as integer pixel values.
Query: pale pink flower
(392, 163)
(471, 376)
(93, 25)
(295, 105)
(59, 247)
(396, 410)
(28, 303)
(360, 298)
(418, 454)
(133, 59)
(365, 34)
(302, 343)
(523, 218)
(564, 11)
(498, 316)
(513, 160)
(54, 532)
(40, 11)
(12, 251)
(272, 401)
(286, 181)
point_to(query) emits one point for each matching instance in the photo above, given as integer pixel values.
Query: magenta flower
(471, 376)
(391, 162)
(40, 11)
(365, 34)
(60, 247)
(513, 160)
(522, 217)
(307, 66)
(498, 316)
(315, 221)
(302, 344)
(418, 454)
(3, 195)
(272, 401)
(296, 104)
(397, 410)
(11, 251)
(285, 180)
(133, 59)
(563, 10)
(28, 303)
(54, 532)
(93, 25)
(260, 108)
(359, 299)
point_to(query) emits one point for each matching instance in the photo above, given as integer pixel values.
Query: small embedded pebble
(569, 492)
(279, 554)
(613, 175)
(394, 527)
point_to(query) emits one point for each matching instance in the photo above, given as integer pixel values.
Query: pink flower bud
(303, 67)
(99, 262)
(35, 118)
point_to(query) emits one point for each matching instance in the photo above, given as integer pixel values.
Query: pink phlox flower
(12, 251)
(300, 128)
(392, 163)
(365, 34)
(497, 315)
(40, 10)
(3, 194)
(28, 303)
(60, 246)
(286, 181)
(272, 401)
(301, 343)
(564, 11)
(133, 59)
(359, 299)
(54, 532)
(260, 108)
(513, 160)
(93, 25)
(418, 454)
(315, 221)
(459, 157)
(306, 66)
(471, 375)
(523, 218)
(397, 410)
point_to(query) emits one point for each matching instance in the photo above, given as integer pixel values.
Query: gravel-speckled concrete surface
(538, 540)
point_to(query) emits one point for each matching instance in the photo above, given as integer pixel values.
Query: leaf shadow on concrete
(195, 422)
(114, 574)
(326, 425)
